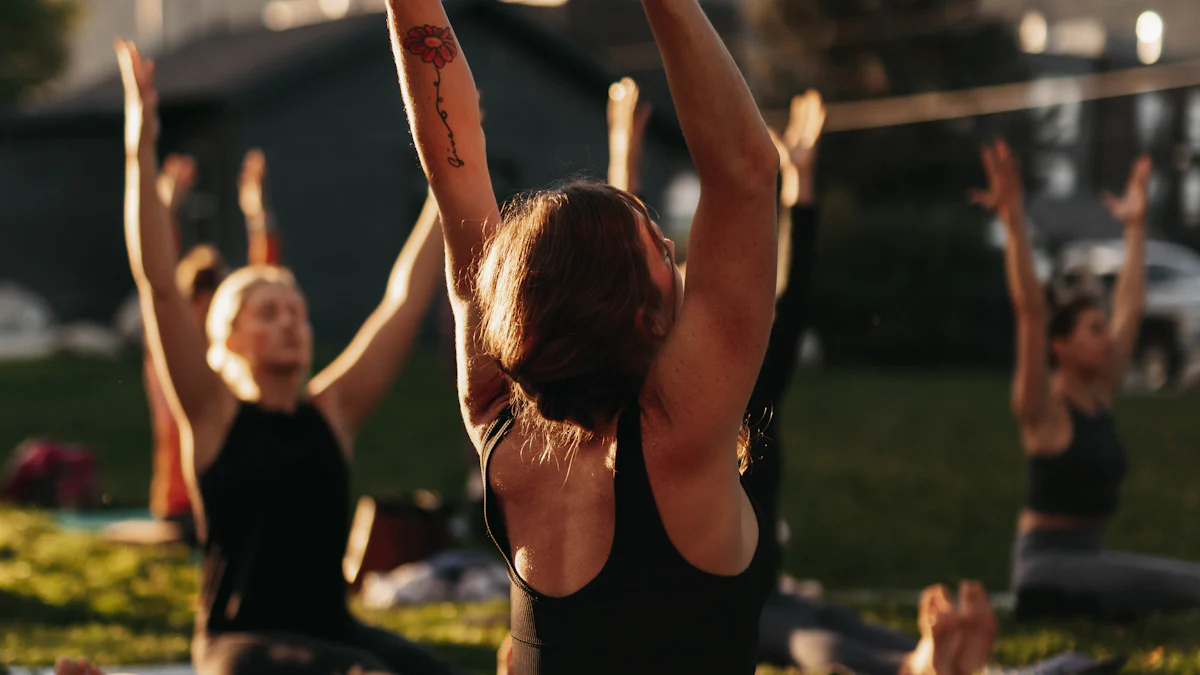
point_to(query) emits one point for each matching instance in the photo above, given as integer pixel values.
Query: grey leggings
(1072, 569)
(817, 637)
(366, 651)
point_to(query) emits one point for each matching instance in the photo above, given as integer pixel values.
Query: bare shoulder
(1053, 433)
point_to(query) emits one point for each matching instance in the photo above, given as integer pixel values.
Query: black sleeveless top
(1085, 479)
(648, 610)
(277, 503)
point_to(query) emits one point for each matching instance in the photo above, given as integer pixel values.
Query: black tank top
(648, 610)
(277, 503)
(1085, 479)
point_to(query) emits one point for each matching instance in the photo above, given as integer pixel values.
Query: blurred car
(1168, 348)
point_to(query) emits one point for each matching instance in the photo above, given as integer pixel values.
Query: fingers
(1139, 176)
(623, 103)
(254, 166)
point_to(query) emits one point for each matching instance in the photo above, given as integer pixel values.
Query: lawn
(895, 479)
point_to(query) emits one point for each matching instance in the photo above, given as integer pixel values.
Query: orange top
(168, 490)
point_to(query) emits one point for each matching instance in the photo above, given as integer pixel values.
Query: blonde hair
(222, 315)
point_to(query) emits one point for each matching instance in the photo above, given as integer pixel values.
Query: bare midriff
(1033, 520)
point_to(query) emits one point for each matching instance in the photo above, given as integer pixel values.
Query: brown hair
(562, 286)
(201, 271)
(1065, 317)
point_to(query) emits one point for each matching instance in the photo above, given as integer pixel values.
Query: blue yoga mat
(94, 521)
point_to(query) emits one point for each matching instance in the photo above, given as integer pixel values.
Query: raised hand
(175, 181)
(804, 128)
(250, 184)
(797, 147)
(1131, 207)
(627, 120)
(141, 98)
(1006, 193)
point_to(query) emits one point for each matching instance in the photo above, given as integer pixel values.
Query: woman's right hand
(627, 120)
(250, 184)
(175, 181)
(1006, 192)
(141, 98)
(798, 147)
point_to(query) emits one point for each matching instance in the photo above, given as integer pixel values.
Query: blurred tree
(33, 44)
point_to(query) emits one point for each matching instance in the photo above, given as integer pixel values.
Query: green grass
(895, 479)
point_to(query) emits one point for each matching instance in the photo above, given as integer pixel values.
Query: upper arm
(443, 112)
(1031, 380)
(179, 350)
(704, 373)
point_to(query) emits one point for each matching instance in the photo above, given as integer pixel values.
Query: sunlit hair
(201, 271)
(1064, 318)
(570, 311)
(226, 306)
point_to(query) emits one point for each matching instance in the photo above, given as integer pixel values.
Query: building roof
(240, 67)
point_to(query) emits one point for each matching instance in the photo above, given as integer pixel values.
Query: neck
(1075, 387)
(278, 391)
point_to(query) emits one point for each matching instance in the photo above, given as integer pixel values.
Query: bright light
(334, 9)
(278, 15)
(1149, 52)
(1149, 27)
(1034, 33)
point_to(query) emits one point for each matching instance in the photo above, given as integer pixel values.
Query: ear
(650, 323)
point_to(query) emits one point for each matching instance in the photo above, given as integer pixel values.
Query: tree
(33, 45)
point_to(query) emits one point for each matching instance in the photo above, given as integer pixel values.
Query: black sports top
(1085, 479)
(277, 503)
(792, 311)
(648, 610)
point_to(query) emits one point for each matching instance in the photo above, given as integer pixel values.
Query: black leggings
(365, 651)
(816, 637)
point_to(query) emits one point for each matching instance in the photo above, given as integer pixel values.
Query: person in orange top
(198, 275)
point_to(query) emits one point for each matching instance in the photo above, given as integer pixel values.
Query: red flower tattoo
(436, 45)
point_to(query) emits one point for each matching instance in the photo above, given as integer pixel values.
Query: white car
(1168, 350)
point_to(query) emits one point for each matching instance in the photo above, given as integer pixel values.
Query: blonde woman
(265, 451)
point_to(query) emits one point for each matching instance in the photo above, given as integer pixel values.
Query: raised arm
(1129, 300)
(627, 119)
(262, 238)
(354, 384)
(797, 250)
(175, 340)
(706, 369)
(175, 183)
(1005, 196)
(443, 112)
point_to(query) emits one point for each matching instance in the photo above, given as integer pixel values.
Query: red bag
(46, 473)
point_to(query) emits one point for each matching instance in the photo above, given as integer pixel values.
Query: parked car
(1168, 348)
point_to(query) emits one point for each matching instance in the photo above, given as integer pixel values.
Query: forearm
(153, 249)
(443, 112)
(1023, 285)
(416, 274)
(619, 174)
(725, 133)
(1130, 296)
(262, 240)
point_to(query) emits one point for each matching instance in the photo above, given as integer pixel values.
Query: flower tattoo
(436, 45)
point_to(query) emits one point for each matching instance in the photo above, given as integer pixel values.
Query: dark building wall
(344, 180)
(60, 221)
